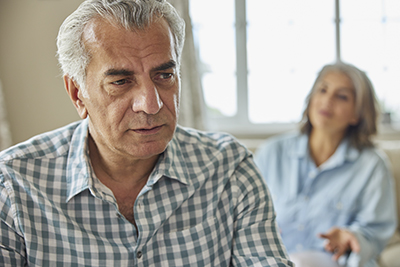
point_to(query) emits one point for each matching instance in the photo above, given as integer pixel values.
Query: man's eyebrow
(118, 72)
(124, 72)
(168, 65)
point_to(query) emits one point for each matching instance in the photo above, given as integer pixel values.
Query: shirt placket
(138, 210)
(305, 197)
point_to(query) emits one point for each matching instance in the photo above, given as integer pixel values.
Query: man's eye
(120, 82)
(166, 75)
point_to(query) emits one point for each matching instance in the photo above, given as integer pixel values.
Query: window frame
(239, 124)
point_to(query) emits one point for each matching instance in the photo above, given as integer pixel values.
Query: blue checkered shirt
(204, 204)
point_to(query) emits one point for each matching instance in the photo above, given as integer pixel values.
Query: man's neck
(124, 172)
(125, 178)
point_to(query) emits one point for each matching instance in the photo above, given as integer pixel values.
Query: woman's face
(332, 106)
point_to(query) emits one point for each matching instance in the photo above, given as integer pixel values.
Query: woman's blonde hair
(367, 108)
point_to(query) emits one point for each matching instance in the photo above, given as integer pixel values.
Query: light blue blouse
(353, 189)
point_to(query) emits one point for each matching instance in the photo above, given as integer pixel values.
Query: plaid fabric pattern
(204, 204)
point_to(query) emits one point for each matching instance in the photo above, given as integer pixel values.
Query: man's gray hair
(130, 14)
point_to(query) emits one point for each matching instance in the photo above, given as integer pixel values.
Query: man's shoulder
(50, 144)
(210, 141)
(207, 153)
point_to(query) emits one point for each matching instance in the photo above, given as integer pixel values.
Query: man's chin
(148, 151)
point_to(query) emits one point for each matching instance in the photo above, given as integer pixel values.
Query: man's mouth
(148, 131)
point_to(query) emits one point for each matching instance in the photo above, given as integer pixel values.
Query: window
(259, 58)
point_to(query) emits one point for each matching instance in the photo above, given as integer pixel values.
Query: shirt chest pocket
(342, 210)
(200, 243)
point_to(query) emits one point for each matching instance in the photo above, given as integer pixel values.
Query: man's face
(133, 89)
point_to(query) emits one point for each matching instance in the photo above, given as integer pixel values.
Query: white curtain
(192, 110)
(5, 136)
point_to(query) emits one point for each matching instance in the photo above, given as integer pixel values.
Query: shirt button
(139, 254)
(300, 227)
(299, 247)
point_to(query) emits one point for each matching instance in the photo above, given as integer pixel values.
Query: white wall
(36, 100)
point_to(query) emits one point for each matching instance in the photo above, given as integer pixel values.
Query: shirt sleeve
(257, 241)
(375, 224)
(12, 246)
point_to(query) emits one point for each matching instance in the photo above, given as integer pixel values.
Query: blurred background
(256, 60)
(34, 94)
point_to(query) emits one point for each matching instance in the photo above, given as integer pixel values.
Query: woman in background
(332, 189)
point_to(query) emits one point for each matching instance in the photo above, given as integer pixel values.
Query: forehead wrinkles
(103, 36)
(101, 29)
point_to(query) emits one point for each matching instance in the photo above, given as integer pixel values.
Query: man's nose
(147, 99)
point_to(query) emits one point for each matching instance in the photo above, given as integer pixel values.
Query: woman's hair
(366, 105)
(130, 14)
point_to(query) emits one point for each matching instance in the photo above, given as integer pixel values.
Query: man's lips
(146, 131)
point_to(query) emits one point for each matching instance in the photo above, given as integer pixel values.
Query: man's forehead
(100, 29)
(118, 47)
(110, 38)
(91, 31)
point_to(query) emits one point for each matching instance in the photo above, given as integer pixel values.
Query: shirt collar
(78, 163)
(171, 164)
(344, 152)
(300, 149)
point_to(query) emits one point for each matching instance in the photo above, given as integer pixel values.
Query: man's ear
(74, 92)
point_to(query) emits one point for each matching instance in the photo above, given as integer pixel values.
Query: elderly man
(126, 186)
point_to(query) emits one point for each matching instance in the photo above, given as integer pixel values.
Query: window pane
(288, 43)
(371, 41)
(214, 36)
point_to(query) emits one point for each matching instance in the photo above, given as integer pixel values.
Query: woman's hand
(339, 241)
